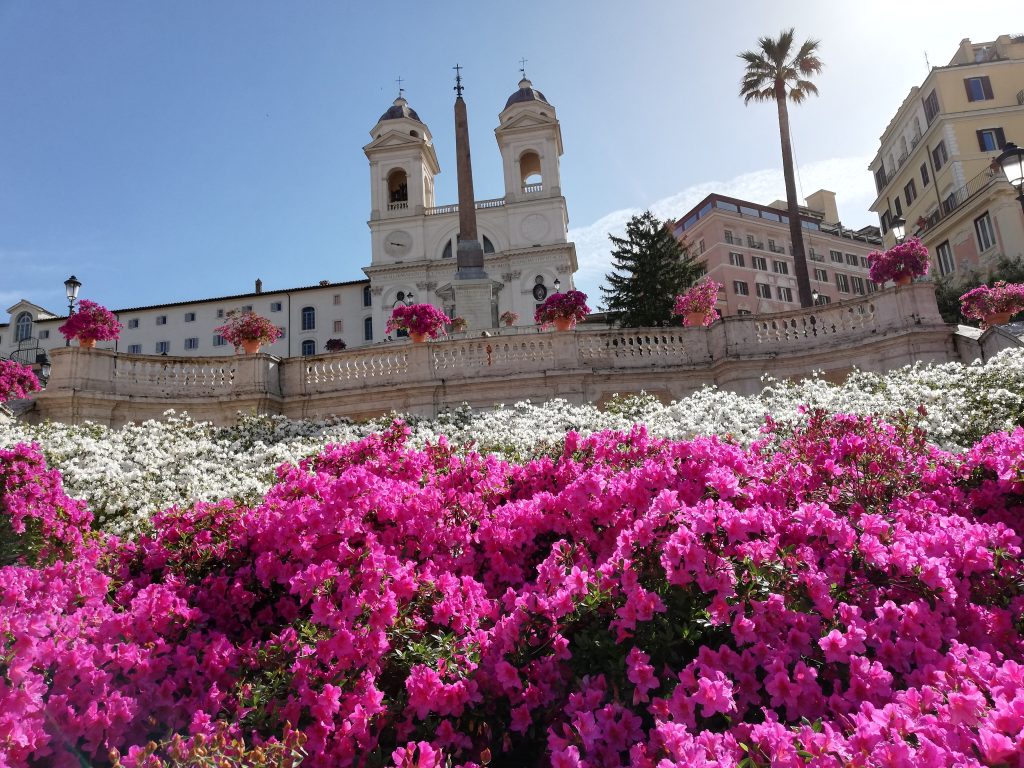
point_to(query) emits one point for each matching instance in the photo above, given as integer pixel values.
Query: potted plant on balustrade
(459, 324)
(248, 331)
(91, 323)
(16, 381)
(562, 310)
(995, 305)
(697, 305)
(901, 263)
(508, 318)
(418, 320)
(335, 345)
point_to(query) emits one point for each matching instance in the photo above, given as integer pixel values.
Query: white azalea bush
(127, 474)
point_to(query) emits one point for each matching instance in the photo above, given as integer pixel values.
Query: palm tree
(774, 72)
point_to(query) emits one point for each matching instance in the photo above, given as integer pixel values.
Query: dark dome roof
(400, 109)
(526, 92)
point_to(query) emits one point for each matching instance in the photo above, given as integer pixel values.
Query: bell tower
(530, 140)
(403, 164)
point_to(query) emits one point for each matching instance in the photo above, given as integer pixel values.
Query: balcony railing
(1020, 96)
(401, 205)
(961, 195)
(530, 189)
(439, 210)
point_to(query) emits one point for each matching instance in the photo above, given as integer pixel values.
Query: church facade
(414, 252)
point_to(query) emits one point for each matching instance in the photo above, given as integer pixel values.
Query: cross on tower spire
(458, 80)
(401, 90)
(522, 67)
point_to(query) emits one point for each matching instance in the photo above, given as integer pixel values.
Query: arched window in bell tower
(398, 190)
(529, 172)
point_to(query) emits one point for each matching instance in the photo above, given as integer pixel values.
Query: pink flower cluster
(418, 318)
(908, 259)
(91, 322)
(700, 299)
(248, 327)
(571, 305)
(16, 381)
(983, 301)
(839, 594)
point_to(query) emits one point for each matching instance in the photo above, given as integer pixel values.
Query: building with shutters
(933, 166)
(746, 247)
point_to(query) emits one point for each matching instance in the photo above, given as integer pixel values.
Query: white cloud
(848, 177)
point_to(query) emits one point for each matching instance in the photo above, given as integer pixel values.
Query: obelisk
(472, 287)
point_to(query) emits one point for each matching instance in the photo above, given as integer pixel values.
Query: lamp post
(558, 285)
(71, 286)
(1011, 161)
(899, 229)
(43, 361)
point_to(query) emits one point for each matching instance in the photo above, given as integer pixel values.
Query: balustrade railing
(187, 377)
(439, 210)
(532, 188)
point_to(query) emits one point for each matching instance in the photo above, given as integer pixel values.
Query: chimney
(824, 202)
(259, 285)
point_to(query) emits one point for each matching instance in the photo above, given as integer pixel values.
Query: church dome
(400, 109)
(526, 92)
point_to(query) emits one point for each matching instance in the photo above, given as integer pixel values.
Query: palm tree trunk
(803, 278)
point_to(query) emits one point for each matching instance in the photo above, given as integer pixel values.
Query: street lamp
(43, 361)
(1012, 163)
(899, 228)
(558, 285)
(71, 286)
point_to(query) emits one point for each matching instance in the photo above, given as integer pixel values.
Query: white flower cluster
(127, 474)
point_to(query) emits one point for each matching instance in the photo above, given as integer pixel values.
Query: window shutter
(986, 87)
(1000, 138)
(981, 140)
(967, 87)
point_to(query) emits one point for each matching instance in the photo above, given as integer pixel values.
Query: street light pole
(899, 229)
(1011, 161)
(71, 286)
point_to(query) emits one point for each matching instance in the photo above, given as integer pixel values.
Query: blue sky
(163, 151)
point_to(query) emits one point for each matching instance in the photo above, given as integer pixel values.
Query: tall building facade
(414, 242)
(934, 163)
(746, 247)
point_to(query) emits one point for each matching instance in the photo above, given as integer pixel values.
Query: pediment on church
(389, 140)
(527, 120)
(37, 312)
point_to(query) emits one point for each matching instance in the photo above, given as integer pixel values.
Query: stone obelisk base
(473, 301)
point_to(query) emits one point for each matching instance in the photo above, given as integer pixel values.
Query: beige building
(746, 247)
(933, 166)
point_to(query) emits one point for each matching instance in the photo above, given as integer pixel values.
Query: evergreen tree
(650, 268)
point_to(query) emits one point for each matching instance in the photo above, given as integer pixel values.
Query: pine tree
(650, 268)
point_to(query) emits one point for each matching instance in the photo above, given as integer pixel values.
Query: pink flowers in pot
(697, 305)
(16, 381)
(242, 327)
(902, 262)
(571, 305)
(422, 319)
(1001, 299)
(91, 323)
(509, 317)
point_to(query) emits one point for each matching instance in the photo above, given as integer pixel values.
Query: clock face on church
(397, 243)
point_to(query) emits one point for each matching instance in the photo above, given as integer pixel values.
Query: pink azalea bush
(91, 322)
(16, 381)
(908, 259)
(983, 301)
(418, 318)
(699, 299)
(571, 305)
(839, 594)
(248, 327)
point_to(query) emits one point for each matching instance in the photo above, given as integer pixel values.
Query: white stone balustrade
(887, 329)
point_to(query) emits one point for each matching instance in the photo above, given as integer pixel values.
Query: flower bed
(16, 380)
(423, 319)
(92, 322)
(242, 327)
(1002, 297)
(907, 260)
(699, 300)
(838, 593)
(571, 305)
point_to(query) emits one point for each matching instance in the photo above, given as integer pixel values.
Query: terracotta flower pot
(251, 347)
(417, 338)
(87, 343)
(997, 318)
(905, 280)
(562, 323)
(695, 318)
(509, 323)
